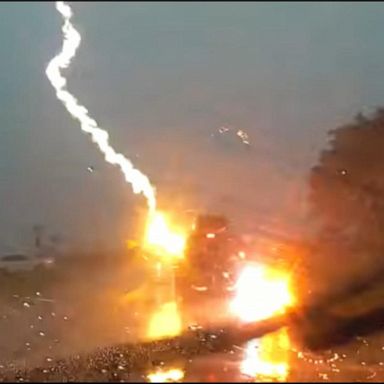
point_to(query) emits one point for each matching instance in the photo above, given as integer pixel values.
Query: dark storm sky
(162, 78)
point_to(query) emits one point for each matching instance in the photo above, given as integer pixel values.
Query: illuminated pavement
(37, 332)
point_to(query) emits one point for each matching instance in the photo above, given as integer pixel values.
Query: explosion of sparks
(261, 292)
(71, 41)
(164, 239)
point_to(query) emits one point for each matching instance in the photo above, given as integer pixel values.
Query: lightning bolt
(71, 40)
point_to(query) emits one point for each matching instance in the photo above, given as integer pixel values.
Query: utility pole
(38, 232)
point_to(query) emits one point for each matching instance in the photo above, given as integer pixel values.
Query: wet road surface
(59, 330)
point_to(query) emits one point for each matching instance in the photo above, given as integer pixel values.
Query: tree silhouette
(347, 194)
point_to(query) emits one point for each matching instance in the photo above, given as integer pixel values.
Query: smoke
(71, 41)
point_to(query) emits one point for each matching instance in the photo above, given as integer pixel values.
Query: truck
(207, 273)
(204, 277)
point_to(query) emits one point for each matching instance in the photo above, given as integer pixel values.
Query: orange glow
(267, 359)
(164, 239)
(261, 292)
(165, 322)
(166, 376)
(211, 235)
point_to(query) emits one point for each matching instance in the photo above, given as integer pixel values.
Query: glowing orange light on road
(267, 359)
(165, 322)
(166, 376)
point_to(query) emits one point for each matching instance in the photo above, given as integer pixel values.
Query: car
(18, 262)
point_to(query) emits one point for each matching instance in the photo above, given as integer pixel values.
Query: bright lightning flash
(71, 41)
(164, 240)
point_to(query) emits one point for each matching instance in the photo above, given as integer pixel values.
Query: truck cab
(206, 274)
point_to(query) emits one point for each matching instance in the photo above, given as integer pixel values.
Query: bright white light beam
(71, 41)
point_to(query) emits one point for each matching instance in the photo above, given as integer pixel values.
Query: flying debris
(243, 136)
(238, 132)
(223, 129)
(91, 169)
